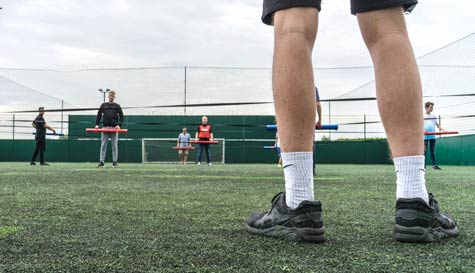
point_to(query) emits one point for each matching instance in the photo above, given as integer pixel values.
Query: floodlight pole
(104, 93)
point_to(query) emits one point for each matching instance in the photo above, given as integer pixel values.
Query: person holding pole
(430, 122)
(112, 117)
(40, 137)
(183, 141)
(204, 133)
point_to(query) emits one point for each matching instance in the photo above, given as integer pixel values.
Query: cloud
(148, 33)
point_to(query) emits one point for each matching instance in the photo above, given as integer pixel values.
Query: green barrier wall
(245, 137)
(458, 150)
(352, 152)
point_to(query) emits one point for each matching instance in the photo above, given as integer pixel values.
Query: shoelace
(433, 203)
(274, 198)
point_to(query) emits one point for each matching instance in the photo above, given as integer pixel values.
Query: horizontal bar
(273, 127)
(204, 141)
(269, 147)
(51, 134)
(106, 130)
(441, 133)
(183, 148)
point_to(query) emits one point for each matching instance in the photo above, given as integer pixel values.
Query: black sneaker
(44, 164)
(115, 165)
(304, 223)
(417, 222)
(436, 167)
(32, 163)
(100, 165)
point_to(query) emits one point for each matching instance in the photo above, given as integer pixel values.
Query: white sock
(410, 174)
(298, 172)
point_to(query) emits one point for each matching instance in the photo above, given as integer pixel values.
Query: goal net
(160, 150)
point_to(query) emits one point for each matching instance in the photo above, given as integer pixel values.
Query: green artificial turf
(9, 230)
(71, 217)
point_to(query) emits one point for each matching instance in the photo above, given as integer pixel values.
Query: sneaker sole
(310, 235)
(422, 235)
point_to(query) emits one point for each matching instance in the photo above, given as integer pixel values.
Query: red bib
(204, 131)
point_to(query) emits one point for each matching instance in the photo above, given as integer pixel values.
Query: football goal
(163, 150)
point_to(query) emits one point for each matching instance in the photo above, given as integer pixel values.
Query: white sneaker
(199, 163)
(209, 164)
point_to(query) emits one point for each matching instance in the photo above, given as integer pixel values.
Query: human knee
(383, 26)
(384, 40)
(296, 24)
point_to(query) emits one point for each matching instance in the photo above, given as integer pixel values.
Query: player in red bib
(204, 133)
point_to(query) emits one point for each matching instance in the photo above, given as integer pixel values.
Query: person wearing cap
(40, 137)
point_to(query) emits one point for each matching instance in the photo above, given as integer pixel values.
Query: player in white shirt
(430, 123)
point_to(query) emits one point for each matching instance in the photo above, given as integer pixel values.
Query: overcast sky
(75, 34)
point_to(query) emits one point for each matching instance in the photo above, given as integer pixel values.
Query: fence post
(440, 124)
(13, 135)
(184, 102)
(364, 123)
(126, 140)
(329, 119)
(62, 108)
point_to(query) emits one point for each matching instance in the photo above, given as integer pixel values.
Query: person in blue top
(430, 122)
(183, 142)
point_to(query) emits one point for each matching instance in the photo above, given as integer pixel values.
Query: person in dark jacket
(40, 137)
(112, 117)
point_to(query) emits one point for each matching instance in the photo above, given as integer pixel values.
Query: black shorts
(357, 6)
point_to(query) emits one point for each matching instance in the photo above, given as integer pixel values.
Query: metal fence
(347, 95)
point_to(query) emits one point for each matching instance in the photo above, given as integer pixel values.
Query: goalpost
(160, 150)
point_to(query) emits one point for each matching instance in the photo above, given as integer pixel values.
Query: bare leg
(295, 31)
(399, 93)
(297, 216)
(398, 84)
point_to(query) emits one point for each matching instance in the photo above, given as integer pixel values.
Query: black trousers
(431, 144)
(40, 148)
(200, 152)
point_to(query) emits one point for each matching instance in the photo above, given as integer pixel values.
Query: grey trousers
(104, 140)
